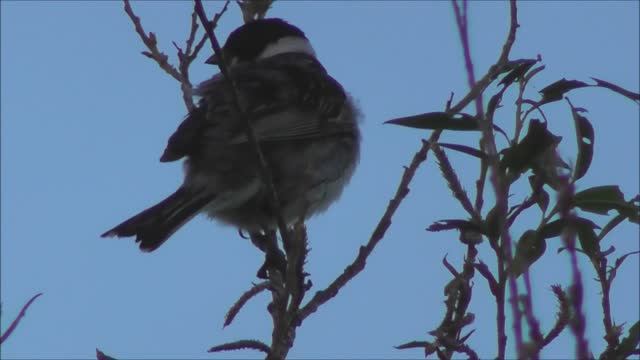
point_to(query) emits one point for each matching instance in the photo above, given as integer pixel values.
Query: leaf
(617, 220)
(520, 67)
(630, 343)
(588, 240)
(622, 258)
(556, 91)
(556, 227)
(613, 87)
(601, 199)
(494, 223)
(586, 138)
(438, 120)
(529, 249)
(465, 149)
(429, 348)
(520, 157)
(457, 224)
(538, 192)
(533, 73)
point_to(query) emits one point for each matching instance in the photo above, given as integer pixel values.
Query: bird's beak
(212, 60)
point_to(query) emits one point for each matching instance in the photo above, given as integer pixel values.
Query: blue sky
(85, 118)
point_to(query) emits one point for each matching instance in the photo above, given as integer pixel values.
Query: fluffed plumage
(306, 125)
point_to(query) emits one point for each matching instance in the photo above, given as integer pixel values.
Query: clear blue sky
(85, 118)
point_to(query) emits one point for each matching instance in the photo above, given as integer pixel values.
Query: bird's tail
(153, 226)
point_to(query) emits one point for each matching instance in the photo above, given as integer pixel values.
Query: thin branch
(402, 190)
(488, 145)
(16, 321)
(483, 269)
(578, 321)
(185, 58)
(564, 314)
(240, 113)
(535, 334)
(358, 264)
(453, 181)
(152, 44)
(214, 25)
(246, 296)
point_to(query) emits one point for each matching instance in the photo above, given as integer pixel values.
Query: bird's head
(263, 38)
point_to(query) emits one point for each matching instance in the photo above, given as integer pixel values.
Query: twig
(402, 190)
(152, 44)
(239, 112)
(461, 21)
(578, 321)
(483, 269)
(534, 325)
(358, 264)
(453, 181)
(246, 296)
(284, 328)
(16, 321)
(488, 146)
(185, 58)
(563, 316)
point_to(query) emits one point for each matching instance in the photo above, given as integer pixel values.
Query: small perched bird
(304, 120)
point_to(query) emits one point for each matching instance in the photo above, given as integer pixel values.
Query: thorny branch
(578, 322)
(239, 111)
(287, 289)
(402, 190)
(487, 144)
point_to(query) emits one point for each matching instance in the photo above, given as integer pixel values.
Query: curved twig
(16, 321)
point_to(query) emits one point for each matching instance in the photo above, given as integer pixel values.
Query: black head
(250, 40)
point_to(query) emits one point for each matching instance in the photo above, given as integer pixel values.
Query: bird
(305, 122)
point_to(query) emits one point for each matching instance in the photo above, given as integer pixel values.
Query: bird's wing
(286, 97)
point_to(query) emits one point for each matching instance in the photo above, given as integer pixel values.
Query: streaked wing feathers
(288, 96)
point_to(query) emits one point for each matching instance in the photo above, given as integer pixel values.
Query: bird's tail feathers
(153, 226)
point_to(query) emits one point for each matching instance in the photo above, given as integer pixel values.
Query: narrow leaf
(412, 345)
(586, 138)
(588, 240)
(438, 120)
(533, 73)
(240, 345)
(622, 258)
(629, 344)
(613, 87)
(617, 220)
(465, 149)
(454, 224)
(556, 91)
(601, 199)
(538, 192)
(556, 227)
(520, 67)
(529, 249)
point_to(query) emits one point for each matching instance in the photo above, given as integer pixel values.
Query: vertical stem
(605, 285)
(500, 317)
